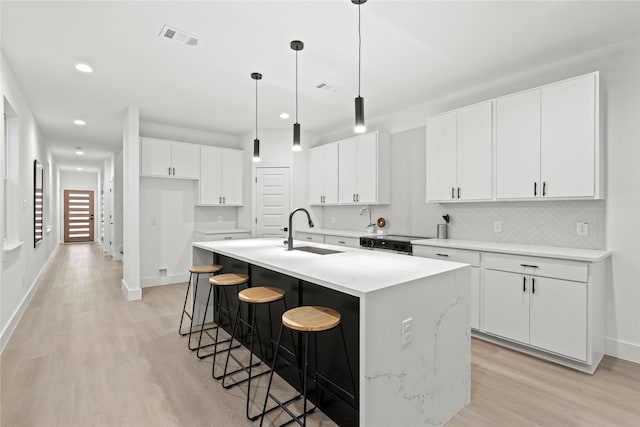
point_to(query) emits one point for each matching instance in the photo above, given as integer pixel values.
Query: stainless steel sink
(314, 250)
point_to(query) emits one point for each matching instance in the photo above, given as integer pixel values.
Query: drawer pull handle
(544, 188)
(533, 286)
(535, 188)
(228, 238)
(443, 255)
(524, 284)
(309, 238)
(529, 265)
(342, 241)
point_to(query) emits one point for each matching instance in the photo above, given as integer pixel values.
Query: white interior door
(272, 201)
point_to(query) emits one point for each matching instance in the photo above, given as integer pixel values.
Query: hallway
(82, 355)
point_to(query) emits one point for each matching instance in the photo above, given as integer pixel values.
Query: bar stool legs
(195, 270)
(253, 297)
(307, 320)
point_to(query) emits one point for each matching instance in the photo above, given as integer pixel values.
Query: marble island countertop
(352, 271)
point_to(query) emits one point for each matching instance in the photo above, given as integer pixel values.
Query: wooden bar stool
(196, 270)
(254, 297)
(307, 320)
(222, 281)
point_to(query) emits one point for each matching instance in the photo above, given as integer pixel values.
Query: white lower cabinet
(545, 312)
(309, 237)
(352, 242)
(551, 308)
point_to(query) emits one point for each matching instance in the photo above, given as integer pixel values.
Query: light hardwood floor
(83, 356)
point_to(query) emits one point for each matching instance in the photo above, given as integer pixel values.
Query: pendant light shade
(256, 141)
(359, 101)
(297, 46)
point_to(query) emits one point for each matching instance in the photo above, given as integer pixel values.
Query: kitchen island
(415, 375)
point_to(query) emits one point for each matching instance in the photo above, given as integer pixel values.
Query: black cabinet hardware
(458, 192)
(453, 193)
(544, 188)
(529, 265)
(524, 284)
(442, 255)
(535, 188)
(533, 286)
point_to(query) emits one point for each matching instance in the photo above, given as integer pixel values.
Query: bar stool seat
(229, 279)
(260, 295)
(308, 320)
(196, 270)
(223, 280)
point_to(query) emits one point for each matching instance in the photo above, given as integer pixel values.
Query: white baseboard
(623, 350)
(131, 294)
(170, 279)
(22, 307)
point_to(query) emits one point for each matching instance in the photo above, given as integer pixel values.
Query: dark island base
(336, 404)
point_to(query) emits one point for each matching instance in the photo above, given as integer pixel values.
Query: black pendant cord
(296, 86)
(359, 51)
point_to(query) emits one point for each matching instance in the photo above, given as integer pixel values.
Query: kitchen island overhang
(425, 381)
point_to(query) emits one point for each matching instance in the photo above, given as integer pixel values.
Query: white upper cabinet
(548, 142)
(459, 155)
(568, 138)
(364, 169)
(323, 174)
(169, 159)
(221, 177)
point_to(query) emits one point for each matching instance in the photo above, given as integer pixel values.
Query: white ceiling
(412, 51)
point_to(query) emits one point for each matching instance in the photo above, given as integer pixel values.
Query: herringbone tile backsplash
(548, 223)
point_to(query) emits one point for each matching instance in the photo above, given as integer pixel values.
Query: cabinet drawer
(547, 267)
(308, 237)
(202, 237)
(455, 255)
(352, 242)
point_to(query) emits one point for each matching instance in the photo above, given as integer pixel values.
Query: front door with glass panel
(78, 216)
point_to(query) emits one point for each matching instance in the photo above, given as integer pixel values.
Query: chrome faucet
(290, 239)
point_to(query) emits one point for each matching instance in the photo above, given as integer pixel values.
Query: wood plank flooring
(83, 356)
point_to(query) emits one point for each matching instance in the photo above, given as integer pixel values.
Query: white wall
(614, 224)
(22, 267)
(131, 205)
(72, 180)
(118, 210)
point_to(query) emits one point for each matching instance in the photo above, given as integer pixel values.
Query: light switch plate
(497, 226)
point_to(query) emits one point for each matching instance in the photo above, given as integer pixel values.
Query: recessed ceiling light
(79, 153)
(284, 115)
(84, 68)
(78, 169)
(79, 122)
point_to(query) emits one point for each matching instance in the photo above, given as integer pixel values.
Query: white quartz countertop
(589, 255)
(224, 231)
(352, 271)
(334, 232)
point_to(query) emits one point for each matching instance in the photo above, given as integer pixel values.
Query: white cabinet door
(506, 305)
(568, 138)
(441, 157)
(348, 161)
(210, 175)
(330, 174)
(558, 316)
(474, 153)
(474, 299)
(518, 146)
(323, 174)
(185, 160)
(232, 167)
(367, 168)
(316, 175)
(155, 157)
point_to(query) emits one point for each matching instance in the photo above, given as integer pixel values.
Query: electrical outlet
(219, 219)
(162, 272)
(497, 226)
(407, 331)
(582, 228)
(333, 219)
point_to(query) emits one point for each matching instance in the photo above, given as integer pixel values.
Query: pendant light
(360, 126)
(296, 45)
(256, 142)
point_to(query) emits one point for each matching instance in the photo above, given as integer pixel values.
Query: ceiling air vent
(329, 87)
(179, 35)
